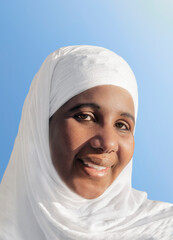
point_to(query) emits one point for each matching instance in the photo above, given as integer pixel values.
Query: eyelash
(127, 127)
(119, 124)
(78, 117)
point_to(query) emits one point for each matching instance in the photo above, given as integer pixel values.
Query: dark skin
(91, 139)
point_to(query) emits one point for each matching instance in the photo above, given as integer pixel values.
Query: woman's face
(91, 139)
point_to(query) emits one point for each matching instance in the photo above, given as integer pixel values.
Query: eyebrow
(82, 105)
(128, 115)
(96, 106)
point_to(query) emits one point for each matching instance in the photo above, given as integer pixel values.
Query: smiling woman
(69, 176)
(96, 132)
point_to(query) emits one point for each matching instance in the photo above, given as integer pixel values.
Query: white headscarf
(34, 202)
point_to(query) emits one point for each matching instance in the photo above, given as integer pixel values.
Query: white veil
(34, 202)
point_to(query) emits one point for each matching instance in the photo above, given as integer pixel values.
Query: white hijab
(34, 202)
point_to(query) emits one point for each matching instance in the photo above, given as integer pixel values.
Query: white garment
(34, 202)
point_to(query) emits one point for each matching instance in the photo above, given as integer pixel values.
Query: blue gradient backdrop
(140, 31)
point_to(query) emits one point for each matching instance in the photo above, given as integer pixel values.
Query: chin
(88, 189)
(90, 194)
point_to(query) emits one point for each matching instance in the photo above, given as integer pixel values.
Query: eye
(84, 117)
(122, 126)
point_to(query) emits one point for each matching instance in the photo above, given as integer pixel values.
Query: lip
(92, 171)
(94, 166)
(99, 161)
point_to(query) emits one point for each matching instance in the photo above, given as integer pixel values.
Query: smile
(92, 165)
(93, 170)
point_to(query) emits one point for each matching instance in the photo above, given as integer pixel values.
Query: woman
(69, 176)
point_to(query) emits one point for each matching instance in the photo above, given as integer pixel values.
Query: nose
(105, 140)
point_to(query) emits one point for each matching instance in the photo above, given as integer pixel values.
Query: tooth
(94, 166)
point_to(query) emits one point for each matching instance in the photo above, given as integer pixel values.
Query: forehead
(108, 97)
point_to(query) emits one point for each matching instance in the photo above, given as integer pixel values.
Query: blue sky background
(139, 31)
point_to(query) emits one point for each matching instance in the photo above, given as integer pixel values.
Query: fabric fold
(34, 202)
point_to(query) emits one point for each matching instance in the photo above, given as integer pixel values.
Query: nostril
(100, 149)
(103, 145)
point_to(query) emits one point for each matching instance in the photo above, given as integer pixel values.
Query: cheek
(127, 149)
(65, 141)
(68, 140)
(76, 135)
